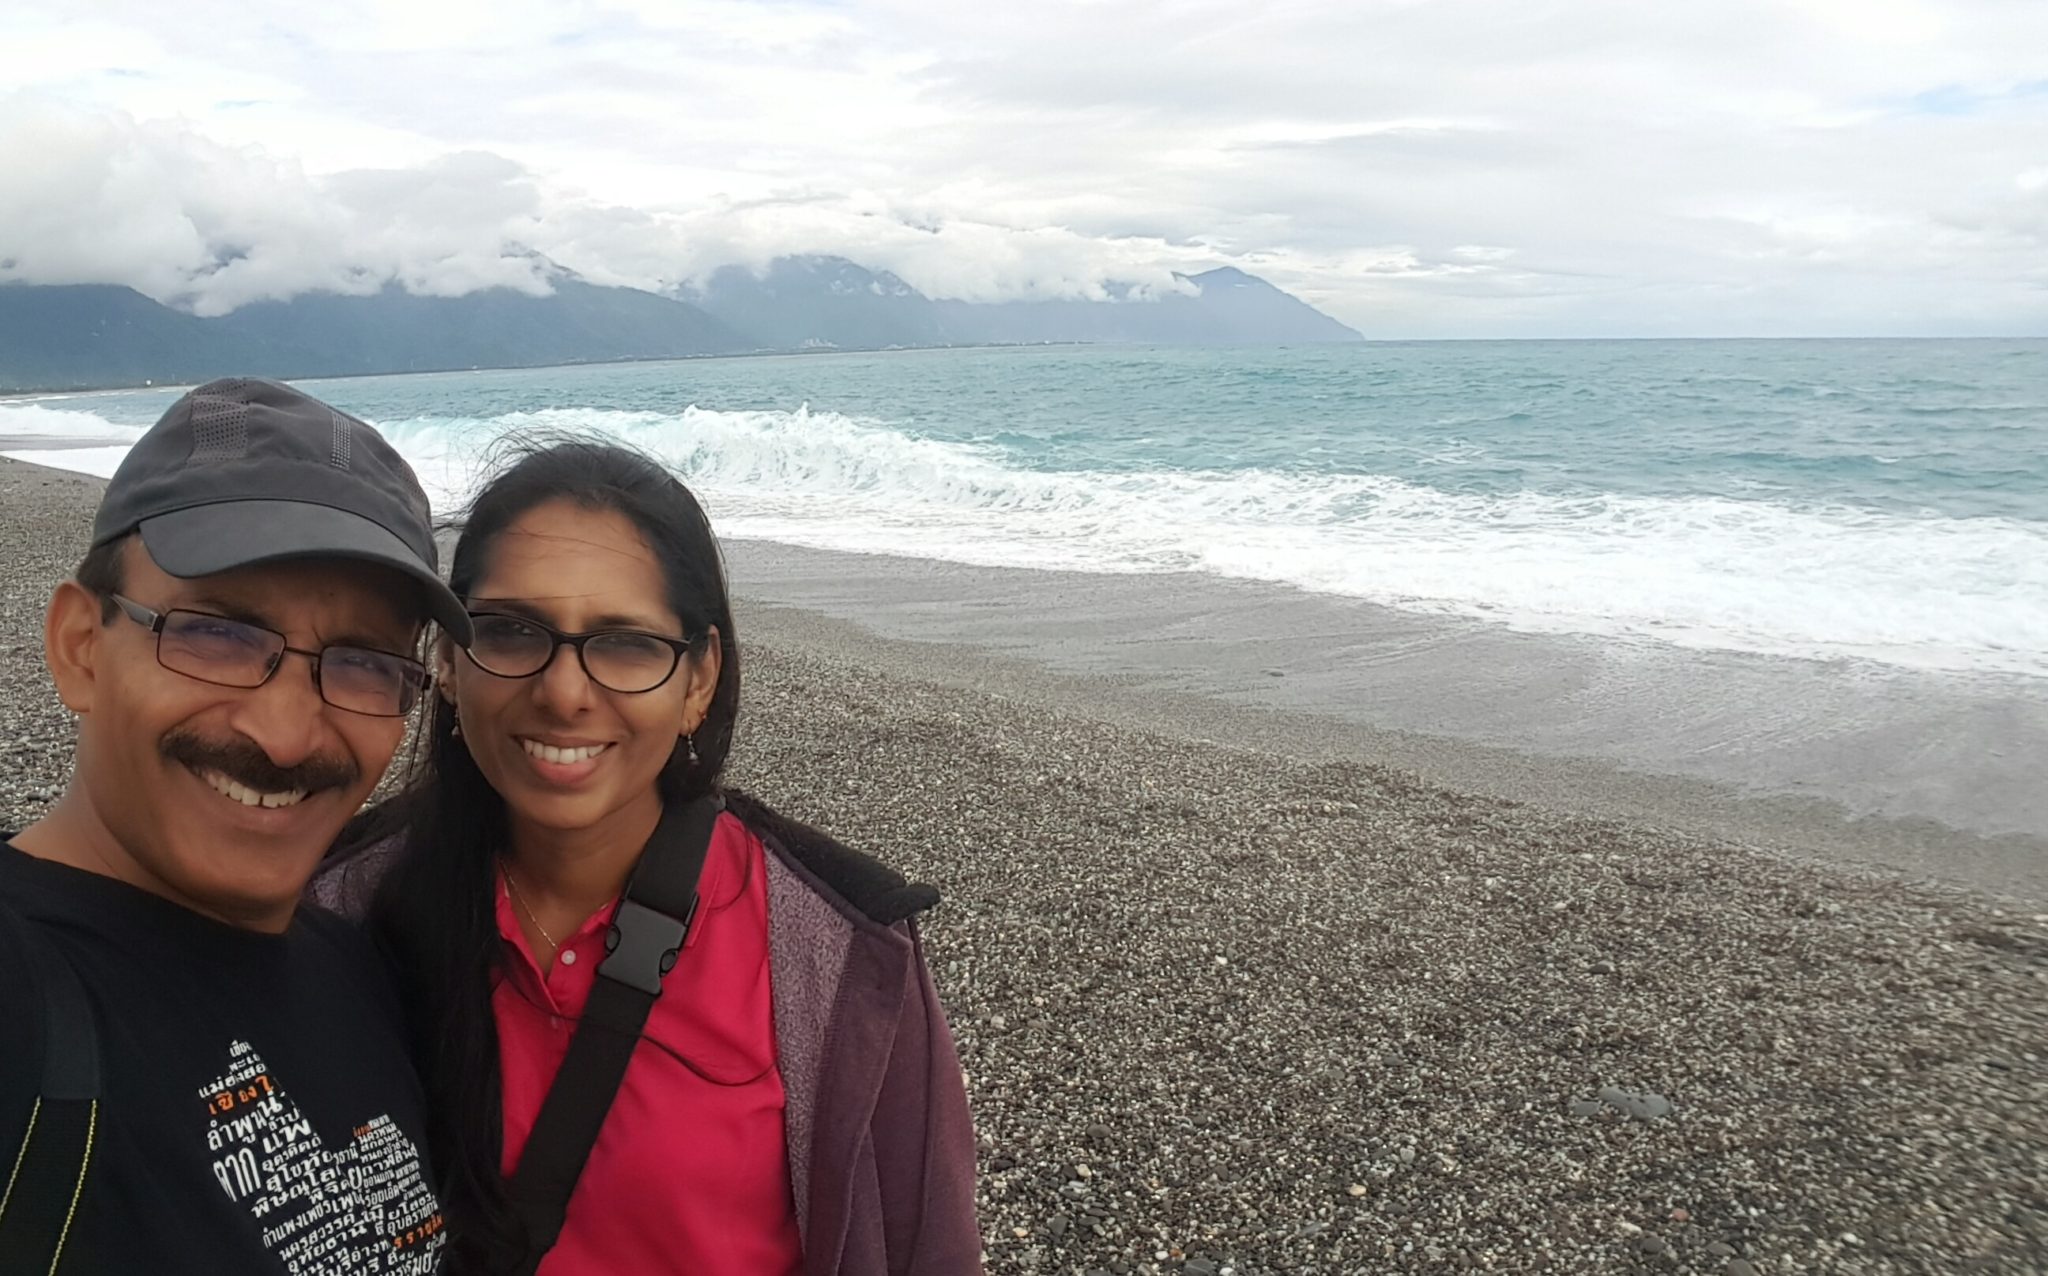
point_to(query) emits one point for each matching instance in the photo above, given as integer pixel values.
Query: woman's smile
(562, 765)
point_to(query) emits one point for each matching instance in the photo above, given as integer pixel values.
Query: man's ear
(444, 668)
(72, 629)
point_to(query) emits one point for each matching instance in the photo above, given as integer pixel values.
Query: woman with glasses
(793, 1104)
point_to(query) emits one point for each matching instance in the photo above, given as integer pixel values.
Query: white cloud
(1457, 168)
(192, 222)
(210, 227)
(939, 251)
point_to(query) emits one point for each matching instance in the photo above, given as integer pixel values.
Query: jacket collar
(866, 885)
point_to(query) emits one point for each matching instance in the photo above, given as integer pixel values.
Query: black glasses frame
(155, 621)
(678, 648)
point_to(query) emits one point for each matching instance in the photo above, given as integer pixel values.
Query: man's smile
(247, 796)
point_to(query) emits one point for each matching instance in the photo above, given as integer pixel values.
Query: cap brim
(207, 539)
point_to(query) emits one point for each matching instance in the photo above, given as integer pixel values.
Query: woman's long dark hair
(435, 910)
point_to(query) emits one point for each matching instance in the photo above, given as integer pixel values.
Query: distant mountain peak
(546, 267)
(817, 300)
(1227, 277)
(845, 275)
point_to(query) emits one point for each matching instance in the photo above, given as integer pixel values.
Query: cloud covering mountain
(202, 226)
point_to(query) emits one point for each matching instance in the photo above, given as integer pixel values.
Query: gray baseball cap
(244, 471)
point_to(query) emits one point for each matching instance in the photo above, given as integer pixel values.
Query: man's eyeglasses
(233, 653)
(622, 660)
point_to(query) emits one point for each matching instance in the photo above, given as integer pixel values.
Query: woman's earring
(690, 748)
(457, 732)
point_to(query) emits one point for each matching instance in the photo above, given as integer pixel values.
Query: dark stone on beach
(1655, 1245)
(1738, 1267)
(1056, 1226)
(1720, 1249)
(1201, 1267)
(1602, 968)
(1644, 1105)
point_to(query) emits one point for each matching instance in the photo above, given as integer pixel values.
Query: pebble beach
(1226, 1010)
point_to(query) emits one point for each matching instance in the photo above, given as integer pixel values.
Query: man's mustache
(242, 760)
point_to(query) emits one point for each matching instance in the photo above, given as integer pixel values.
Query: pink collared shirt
(690, 1174)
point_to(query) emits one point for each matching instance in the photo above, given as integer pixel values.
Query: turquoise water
(1831, 499)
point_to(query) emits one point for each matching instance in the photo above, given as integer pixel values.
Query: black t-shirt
(259, 1114)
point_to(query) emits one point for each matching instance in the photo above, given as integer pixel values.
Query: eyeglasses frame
(682, 647)
(153, 620)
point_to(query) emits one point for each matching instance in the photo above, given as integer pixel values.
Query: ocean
(1883, 502)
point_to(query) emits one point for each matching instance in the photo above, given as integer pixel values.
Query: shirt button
(569, 957)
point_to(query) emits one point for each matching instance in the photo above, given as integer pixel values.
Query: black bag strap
(45, 1178)
(647, 934)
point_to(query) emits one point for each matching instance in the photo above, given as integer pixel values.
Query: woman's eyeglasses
(234, 653)
(622, 660)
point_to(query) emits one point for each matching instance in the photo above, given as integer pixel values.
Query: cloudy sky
(1418, 168)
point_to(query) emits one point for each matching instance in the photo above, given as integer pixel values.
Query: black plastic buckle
(643, 943)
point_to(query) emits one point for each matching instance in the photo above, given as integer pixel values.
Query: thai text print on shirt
(360, 1210)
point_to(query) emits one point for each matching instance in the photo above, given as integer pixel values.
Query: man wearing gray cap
(196, 1076)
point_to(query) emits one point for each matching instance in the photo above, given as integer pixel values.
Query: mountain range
(810, 302)
(93, 335)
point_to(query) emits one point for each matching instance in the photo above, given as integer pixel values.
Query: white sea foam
(1709, 572)
(102, 461)
(33, 421)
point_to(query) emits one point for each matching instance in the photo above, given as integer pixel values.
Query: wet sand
(1923, 774)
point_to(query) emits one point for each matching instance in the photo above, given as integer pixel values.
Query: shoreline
(31, 392)
(1928, 776)
(1253, 1004)
(1917, 851)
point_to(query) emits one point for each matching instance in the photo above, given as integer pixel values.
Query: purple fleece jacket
(881, 1146)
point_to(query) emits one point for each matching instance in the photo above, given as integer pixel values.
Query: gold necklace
(524, 907)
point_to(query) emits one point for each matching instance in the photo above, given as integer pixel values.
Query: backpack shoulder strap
(45, 1177)
(647, 934)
